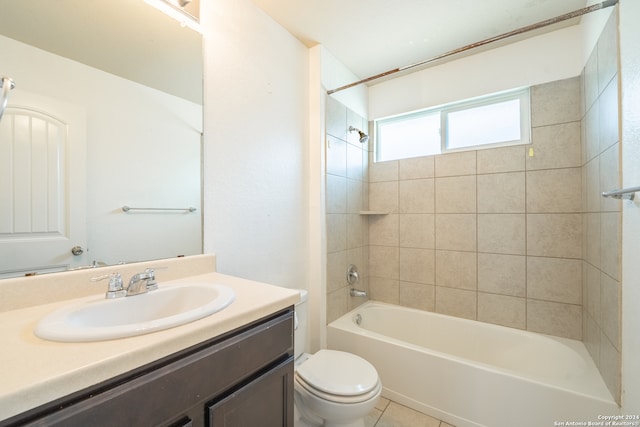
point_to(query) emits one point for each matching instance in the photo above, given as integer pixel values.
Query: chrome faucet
(140, 283)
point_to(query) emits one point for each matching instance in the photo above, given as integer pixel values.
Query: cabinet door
(266, 401)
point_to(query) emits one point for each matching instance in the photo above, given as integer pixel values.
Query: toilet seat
(336, 398)
(338, 377)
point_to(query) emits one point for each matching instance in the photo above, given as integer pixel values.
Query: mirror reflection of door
(42, 185)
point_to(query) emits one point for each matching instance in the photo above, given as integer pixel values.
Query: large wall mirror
(106, 113)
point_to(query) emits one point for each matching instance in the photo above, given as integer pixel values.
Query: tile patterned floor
(392, 414)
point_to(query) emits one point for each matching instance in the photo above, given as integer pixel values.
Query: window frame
(521, 94)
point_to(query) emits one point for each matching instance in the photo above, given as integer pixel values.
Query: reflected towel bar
(126, 208)
(623, 193)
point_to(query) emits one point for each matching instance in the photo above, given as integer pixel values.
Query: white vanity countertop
(34, 371)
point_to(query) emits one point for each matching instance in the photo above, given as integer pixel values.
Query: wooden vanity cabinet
(243, 379)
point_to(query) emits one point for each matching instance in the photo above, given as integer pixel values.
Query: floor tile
(391, 414)
(397, 415)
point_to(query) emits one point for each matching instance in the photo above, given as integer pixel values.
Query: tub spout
(356, 293)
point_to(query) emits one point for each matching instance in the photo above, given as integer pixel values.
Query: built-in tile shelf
(373, 213)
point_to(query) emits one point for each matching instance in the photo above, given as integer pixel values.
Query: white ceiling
(367, 36)
(375, 36)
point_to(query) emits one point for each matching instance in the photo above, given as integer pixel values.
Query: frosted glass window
(486, 124)
(415, 136)
(490, 121)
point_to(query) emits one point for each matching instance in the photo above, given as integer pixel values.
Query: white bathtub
(474, 374)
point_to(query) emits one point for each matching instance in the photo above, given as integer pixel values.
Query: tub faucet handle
(352, 274)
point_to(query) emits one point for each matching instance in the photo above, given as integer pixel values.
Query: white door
(42, 185)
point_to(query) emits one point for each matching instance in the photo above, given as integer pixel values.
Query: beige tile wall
(346, 195)
(506, 236)
(488, 234)
(601, 287)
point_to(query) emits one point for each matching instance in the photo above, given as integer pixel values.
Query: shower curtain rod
(566, 16)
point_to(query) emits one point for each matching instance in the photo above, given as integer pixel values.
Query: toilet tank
(301, 324)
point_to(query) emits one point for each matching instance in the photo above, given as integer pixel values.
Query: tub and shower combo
(474, 374)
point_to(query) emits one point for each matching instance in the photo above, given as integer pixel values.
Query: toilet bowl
(331, 388)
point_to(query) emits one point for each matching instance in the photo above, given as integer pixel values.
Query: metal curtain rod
(566, 16)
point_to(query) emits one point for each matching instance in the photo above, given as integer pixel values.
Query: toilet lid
(339, 373)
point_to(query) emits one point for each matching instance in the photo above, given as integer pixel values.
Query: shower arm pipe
(541, 24)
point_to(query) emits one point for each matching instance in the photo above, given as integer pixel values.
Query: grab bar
(623, 193)
(126, 208)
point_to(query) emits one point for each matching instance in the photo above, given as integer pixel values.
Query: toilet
(331, 388)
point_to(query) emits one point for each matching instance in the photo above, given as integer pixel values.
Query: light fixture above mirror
(186, 12)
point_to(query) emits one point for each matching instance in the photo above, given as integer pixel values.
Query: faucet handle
(116, 286)
(151, 277)
(352, 274)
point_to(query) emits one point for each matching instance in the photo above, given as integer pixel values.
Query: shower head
(6, 84)
(9, 81)
(363, 136)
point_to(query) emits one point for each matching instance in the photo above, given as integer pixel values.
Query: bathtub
(473, 374)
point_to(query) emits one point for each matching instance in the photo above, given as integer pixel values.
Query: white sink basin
(101, 319)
